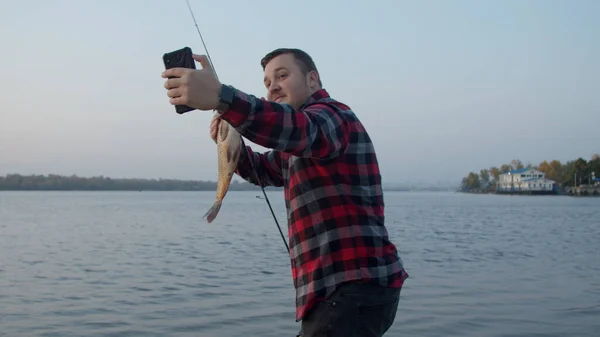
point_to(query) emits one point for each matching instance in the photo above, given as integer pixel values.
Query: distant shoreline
(584, 191)
(577, 177)
(267, 189)
(53, 182)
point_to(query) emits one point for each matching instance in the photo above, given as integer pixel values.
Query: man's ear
(313, 80)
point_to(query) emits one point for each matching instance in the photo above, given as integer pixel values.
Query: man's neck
(310, 98)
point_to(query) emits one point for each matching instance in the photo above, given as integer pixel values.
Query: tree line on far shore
(18, 182)
(564, 174)
(54, 182)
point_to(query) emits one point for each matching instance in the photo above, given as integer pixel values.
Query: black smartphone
(181, 58)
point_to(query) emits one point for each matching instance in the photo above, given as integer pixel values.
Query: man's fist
(197, 88)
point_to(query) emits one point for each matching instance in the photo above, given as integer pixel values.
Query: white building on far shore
(525, 181)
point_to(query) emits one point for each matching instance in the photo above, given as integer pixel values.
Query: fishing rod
(243, 144)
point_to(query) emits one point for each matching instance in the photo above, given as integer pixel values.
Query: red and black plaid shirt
(324, 159)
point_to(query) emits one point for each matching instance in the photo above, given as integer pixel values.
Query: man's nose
(274, 87)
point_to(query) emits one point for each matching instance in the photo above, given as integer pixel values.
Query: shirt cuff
(234, 106)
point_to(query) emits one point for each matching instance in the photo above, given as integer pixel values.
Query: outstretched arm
(318, 131)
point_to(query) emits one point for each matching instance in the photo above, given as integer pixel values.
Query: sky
(443, 87)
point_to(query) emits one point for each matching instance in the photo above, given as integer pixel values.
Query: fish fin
(233, 154)
(223, 130)
(237, 154)
(213, 211)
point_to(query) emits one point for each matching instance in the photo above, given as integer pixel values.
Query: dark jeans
(353, 310)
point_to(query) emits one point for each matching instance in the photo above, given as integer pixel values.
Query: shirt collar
(316, 96)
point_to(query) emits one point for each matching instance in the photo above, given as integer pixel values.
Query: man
(346, 272)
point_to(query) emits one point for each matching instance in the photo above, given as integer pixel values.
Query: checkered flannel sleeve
(318, 131)
(268, 167)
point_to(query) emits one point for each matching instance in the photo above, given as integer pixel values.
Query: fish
(229, 149)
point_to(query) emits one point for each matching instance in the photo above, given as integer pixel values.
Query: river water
(146, 264)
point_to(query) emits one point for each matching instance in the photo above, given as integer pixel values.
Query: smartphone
(181, 58)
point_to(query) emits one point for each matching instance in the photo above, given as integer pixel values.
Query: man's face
(285, 82)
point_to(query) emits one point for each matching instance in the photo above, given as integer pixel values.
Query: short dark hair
(304, 60)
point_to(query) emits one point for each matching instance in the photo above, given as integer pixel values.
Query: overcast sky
(443, 87)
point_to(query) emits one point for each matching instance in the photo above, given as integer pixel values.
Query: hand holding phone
(181, 58)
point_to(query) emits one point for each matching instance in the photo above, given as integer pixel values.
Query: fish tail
(213, 211)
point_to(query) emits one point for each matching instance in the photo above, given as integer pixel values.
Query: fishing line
(243, 144)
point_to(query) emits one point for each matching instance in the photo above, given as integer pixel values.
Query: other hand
(197, 88)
